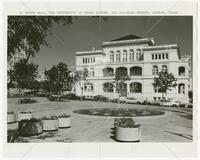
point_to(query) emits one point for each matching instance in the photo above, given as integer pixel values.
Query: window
(155, 70)
(139, 55)
(124, 56)
(181, 88)
(152, 56)
(83, 60)
(93, 60)
(131, 56)
(135, 87)
(156, 56)
(108, 87)
(181, 71)
(122, 87)
(108, 72)
(159, 56)
(166, 56)
(164, 68)
(91, 74)
(111, 56)
(88, 87)
(157, 89)
(163, 56)
(118, 56)
(135, 71)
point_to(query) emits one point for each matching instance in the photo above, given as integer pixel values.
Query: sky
(88, 32)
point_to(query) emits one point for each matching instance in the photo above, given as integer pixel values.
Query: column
(128, 71)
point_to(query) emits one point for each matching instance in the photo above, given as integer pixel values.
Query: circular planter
(64, 122)
(30, 128)
(22, 116)
(128, 134)
(50, 125)
(11, 118)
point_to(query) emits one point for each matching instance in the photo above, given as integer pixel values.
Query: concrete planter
(128, 134)
(64, 122)
(29, 128)
(50, 125)
(22, 116)
(11, 118)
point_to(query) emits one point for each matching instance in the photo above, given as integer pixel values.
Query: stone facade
(142, 60)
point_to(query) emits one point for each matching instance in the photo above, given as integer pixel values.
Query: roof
(128, 37)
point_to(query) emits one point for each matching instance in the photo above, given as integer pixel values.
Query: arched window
(164, 68)
(155, 70)
(112, 56)
(139, 55)
(108, 87)
(131, 55)
(181, 88)
(181, 71)
(124, 56)
(118, 56)
(121, 70)
(135, 87)
(108, 72)
(85, 72)
(88, 87)
(91, 73)
(135, 71)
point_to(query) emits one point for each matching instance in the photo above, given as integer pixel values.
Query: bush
(27, 100)
(64, 116)
(100, 98)
(125, 123)
(49, 118)
(71, 96)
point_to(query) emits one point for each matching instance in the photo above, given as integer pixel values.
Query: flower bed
(29, 127)
(11, 117)
(24, 115)
(50, 123)
(64, 121)
(126, 129)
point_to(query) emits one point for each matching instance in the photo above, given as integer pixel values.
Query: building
(41, 76)
(142, 60)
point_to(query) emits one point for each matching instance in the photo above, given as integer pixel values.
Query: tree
(120, 78)
(58, 76)
(80, 78)
(23, 74)
(165, 81)
(29, 32)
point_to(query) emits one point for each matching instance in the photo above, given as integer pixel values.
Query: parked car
(134, 100)
(170, 103)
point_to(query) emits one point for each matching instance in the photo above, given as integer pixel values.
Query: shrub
(28, 112)
(11, 112)
(100, 98)
(71, 96)
(49, 118)
(27, 100)
(31, 120)
(64, 116)
(125, 123)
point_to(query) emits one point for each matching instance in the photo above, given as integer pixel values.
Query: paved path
(174, 127)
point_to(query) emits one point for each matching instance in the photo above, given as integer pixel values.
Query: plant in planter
(64, 121)
(50, 123)
(25, 115)
(29, 127)
(11, 118)
(126, 129)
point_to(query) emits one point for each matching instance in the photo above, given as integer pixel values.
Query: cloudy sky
(88, 32)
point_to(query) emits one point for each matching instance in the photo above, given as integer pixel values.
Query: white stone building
(142, 60)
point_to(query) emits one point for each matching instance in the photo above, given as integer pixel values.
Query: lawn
(175, 126)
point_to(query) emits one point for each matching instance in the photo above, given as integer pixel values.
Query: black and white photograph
(99, 79)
